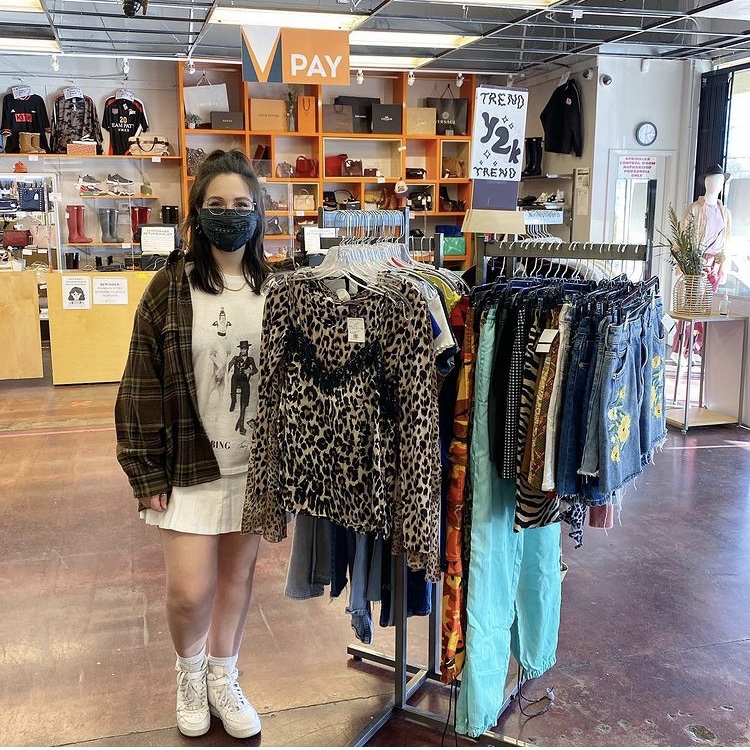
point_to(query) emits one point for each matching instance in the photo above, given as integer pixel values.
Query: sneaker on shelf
(227, 701)
(88, 180)
(193, 718)
(116, 179)
(123, 190)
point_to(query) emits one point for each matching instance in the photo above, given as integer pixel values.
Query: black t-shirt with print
(123, 119)
(28, 115)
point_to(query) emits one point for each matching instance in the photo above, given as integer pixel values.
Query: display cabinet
(437, 197)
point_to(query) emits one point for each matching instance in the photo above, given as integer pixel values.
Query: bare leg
(237, 556)
(192, 566)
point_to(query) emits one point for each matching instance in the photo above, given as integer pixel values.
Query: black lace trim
(369, 357)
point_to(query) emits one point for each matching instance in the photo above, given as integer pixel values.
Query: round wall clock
(645, 133)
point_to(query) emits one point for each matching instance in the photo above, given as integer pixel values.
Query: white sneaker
(226, 700)
(193, 718)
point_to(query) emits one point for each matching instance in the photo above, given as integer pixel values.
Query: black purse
(350, 203)
(329, 199)
(420, 200)
(415, 173)
(32, 198)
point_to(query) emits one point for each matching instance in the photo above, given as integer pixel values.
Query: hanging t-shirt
(226, 343)
(27, 115)
(123, 119)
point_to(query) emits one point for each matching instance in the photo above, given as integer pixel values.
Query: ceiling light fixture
(290, 20)
(190, 68)
(125, 66)
(410, 78)
(360, 77)
(21, 6)
(459, 80)
(378, 62)
(54, 63)
(29, 45)
(408, 40)
(531, 4)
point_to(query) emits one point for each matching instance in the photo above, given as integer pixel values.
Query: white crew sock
(192, 663)
(227, 663)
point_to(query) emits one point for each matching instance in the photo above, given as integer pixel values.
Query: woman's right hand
(158, 502)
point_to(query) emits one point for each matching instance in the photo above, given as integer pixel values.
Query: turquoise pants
(513, 603)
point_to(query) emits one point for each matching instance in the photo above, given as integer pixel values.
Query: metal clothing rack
(408, 678)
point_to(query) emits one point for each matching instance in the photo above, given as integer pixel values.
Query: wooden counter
(20, 334)
(89, 344)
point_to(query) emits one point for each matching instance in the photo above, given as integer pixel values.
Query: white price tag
(380, 179)
(546, 339)
(73, 92)
(55, 197)
(26, 251)
(126, 245)
(299, 213)
(355, 330)
(156, 159)
(261, 178)
(33, 157)
(125, 94)
(21, 92)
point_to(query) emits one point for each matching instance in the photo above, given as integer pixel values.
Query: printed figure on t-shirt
(243, 367)
(222, 323)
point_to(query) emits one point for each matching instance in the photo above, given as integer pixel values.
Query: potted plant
(692, 294)
(192, 120)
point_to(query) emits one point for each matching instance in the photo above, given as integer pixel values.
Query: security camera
(588, 74)
(131, 7)
(605, 79)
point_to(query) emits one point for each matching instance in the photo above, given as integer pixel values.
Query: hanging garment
(24, 115)
(561, 120)
(123, 119)
(348, 422)
(73, 120)
(514, 578)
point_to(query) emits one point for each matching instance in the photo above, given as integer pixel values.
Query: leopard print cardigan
(347, 430)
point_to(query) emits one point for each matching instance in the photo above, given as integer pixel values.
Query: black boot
(527, 158)
(104, 222)
(535, 162)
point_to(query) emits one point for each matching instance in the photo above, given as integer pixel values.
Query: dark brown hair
(206, 274)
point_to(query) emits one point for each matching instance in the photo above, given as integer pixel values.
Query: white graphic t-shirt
(226, 343)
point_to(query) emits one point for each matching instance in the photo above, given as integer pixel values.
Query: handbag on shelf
(415, 173)
(285, 169)
(453, 168)
(352, 168)
(349, 203)
(31, 198)
(371, 172)
(269, 204)
(372, 200)
(304, 201)
(420, 200)
(195, 157)
(273, 226)
(146, 144)
(329, 199)
(262, 160)
(17, 238)
(305, 167)
(334, 165)
(388, 200)
(8, 205)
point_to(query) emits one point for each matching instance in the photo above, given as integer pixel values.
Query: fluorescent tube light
(530, 4)
(408, 39)
(287, 19)
(24, 44)
(376, 62)
(21, 6)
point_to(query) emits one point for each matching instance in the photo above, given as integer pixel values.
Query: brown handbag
(353, 168)
(306, 167)
(453, 168)
(335, 165)
(388, 200)
(17, 238)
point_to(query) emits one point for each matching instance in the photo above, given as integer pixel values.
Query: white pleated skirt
(209, 508)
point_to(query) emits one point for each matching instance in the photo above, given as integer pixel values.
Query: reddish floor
(654, 643)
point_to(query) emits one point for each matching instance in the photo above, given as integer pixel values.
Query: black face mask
(230, 231)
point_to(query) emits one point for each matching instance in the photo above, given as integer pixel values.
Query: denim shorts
(619, 416)
(571, 430)
(653, 405)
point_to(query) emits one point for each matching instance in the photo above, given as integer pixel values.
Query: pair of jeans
(309, 568)
(513, 603)
(620, 415)
(572, 426)
(653, 406)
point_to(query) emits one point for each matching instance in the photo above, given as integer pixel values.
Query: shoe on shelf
(193, 717)
(227, 701)
(116, 179)
(122, 190)
(87, 179)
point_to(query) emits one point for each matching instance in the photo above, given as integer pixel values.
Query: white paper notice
(158, 239)
(110, 291)
(636, 167)
(499, 129)
(76, 292)
(313, 235)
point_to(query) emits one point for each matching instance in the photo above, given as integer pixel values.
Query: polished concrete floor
(654, 642)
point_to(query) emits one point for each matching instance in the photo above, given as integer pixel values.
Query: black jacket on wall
(561, 120)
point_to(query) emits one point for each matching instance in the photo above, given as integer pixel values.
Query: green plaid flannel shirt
(161, 442)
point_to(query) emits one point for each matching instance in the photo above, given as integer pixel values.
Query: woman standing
(184, 457)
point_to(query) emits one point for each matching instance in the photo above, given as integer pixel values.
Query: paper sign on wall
(636, 167)
(110, 291)
(76, 292)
